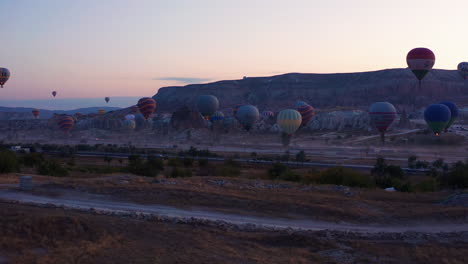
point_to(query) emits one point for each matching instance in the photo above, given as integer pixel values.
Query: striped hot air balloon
(307, 113)
(207, 105)
(217, 116)
(247, 116)
(101, 111)
(420, 61)
(437, 117)
(134, 109)
(4, 76)
(289, 121)
(146, 105)
(299, 104)
(35, 113)
(66, 123)
(463, 69)
(382, 115)
(267, 114)
(453, 113)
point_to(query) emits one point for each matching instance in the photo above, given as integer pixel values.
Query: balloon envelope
(129, 124)
(101, 111)
(420, 61)
(207, 105)
(146, 105)
(267, 114)
(54, 93)
(66, 123)
(4, 76)
(437, 116)
(289, 121)
(463, 69)
(453, 113)
(307, 113)
(299, 104)
(217, 116)
(130, 117)
(107, 99)
(382, 115)
(35, 112)
(247, 115)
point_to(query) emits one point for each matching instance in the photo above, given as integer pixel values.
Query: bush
(344, 176)
(428, 185)
(301, 156)
(388, 175)
(188, 162)
(150, 167)
(174, 162)
(279, 171)
(457, 177)
(180, 173)
(230, 168)
(8, 162)
(52, 168)
(32, 159)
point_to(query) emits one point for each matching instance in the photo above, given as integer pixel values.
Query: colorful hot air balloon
(289, 121)
(4, 76)
(207, 105)
(66, 123)
(101, 111)
(35, 113)
(217, 116)
(420, 61)
(146, 105)
(129, 124)
(106, 99)
(299, 104)
(130, 117)
(247, 116)
(382, 115)
(463, 69)
(268, 114)
(54, 93)
(134, 109)
(453, 113)
(437, 117)
(307, 113)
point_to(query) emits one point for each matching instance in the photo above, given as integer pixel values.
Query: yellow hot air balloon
(289, 121)
(101, 111)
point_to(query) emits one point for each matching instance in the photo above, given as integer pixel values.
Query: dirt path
(102, 203)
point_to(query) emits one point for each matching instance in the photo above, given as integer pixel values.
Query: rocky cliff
(358, 90)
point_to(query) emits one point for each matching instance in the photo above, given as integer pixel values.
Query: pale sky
(94, 48)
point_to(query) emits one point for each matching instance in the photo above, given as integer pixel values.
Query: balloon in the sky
(420, 61)
(382, 115)
(130, 117)
(289, 121)
(307, 113)
(437, 117)
(129, 124)
(35, 113)
(146, 105)
(207, 105)
(247, 116)
(268, 114)
(4, 76)
(453, 113)
(107, 99)
(101, 111)
(54, 93)
(66, 123)
(463, 69)
(217, 116)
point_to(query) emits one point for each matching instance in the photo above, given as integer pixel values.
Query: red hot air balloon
(146, 106)
(35, 113)
(66, 123)
(54, 93)
(420, 61)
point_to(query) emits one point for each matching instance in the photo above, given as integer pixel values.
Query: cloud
(187, 80)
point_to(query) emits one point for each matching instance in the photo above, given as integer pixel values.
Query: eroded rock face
(340, 120)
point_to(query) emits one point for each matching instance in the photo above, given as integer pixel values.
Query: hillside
(398, 86)
(10, 113)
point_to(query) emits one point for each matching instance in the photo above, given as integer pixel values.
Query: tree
(301, 156)
(8, 162)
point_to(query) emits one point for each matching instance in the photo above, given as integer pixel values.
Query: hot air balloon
(207, 105)
(307, 112)
(54, 93)
(299, 104)
(134, 109)
(247, 116)
(463, 69)
(382, 115)
(107, 99)
(268, 114)
(289, 121)
(146, 106)
(129, 124)
(420, 61)
(217, 116)
(35, 113)
(437, 117)
(4, 76)
(101, 111)
(453, 113)
(66, 123)
(235, 109)
(129, 117)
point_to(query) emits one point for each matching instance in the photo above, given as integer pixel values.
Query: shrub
(180, 173)
(279, 171)
(52, 168)
(203, 163)
(8, 162)
(344, 176)
(188, 162)
(32, 159)
(388, 175)
(457, 177)
(174, 162)
(230, 168)
(301, 156)
(428, 185)
(150, 168)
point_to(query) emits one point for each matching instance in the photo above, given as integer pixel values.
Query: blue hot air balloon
(437, 117)
(453, 113)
